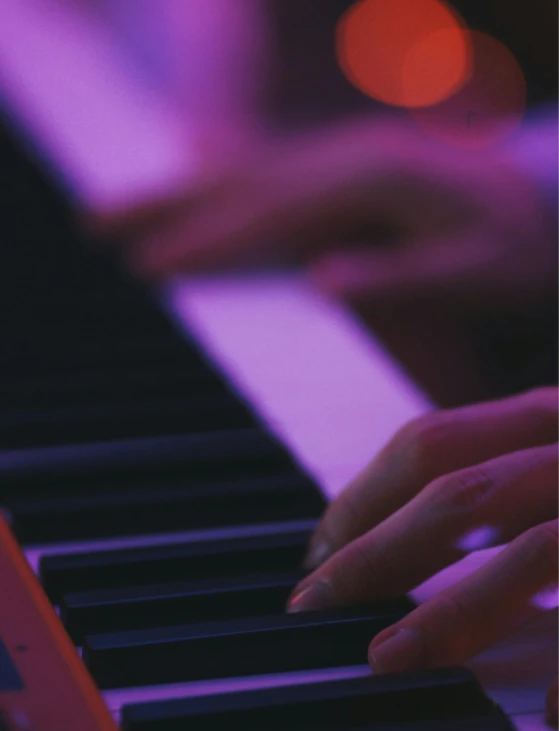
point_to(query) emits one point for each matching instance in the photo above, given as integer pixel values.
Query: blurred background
(178, 128)
(286, 50)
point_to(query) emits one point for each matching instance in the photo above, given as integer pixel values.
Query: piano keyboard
(165, 517)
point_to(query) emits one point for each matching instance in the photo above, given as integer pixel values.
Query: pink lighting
(546, 599)
(482, 537)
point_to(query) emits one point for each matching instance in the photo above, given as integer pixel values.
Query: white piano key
(321, 383)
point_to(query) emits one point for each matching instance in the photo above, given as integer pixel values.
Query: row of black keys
(225, 618)
(89, 405)
(153, 485)
(115, 433)
(136, 631)
(218, 604)
(145, 632)
(447, 700)
(118, 426)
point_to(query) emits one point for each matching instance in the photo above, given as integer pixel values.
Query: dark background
(309, 86)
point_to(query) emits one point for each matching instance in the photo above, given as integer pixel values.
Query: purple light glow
(483, 537)
(546, 599)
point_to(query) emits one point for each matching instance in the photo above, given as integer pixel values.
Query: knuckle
(422, 439)
(365, 557)
(456, 611)
(544, 544)
(466, 490)
(362, 563)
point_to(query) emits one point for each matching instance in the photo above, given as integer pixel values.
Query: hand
(426, 242)
(406, 216)
(446, 484)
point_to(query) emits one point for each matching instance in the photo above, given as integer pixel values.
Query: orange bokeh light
(407, 53)
(489, 105)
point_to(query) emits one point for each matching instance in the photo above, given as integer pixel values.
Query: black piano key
(240, 647)
(88, 326)
(91, 315)
(105, 297)
(160, 605)
(496, 720)
(448, 699)
(107, 465)
(66, 573)
(22, 357)
(98, 423)
(160, 508)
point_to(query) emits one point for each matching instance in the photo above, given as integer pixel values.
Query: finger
(481, 506)
(473, 614)
(434, 445)
(551, 705)
(456, 267)
(196, 248)
(123, 224)
(196, 245)
(292, 199)
(244, 228)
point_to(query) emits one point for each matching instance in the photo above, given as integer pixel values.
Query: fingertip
(360, 276)
(383, 635)
(396, 650)
(311, 596)
(336, 276)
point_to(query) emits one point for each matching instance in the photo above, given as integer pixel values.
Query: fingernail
(317, 555)
(318, 595)
(398, 653)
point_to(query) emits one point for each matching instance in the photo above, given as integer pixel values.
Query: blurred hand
(430, 245)
(406, 217)
(446, 484)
